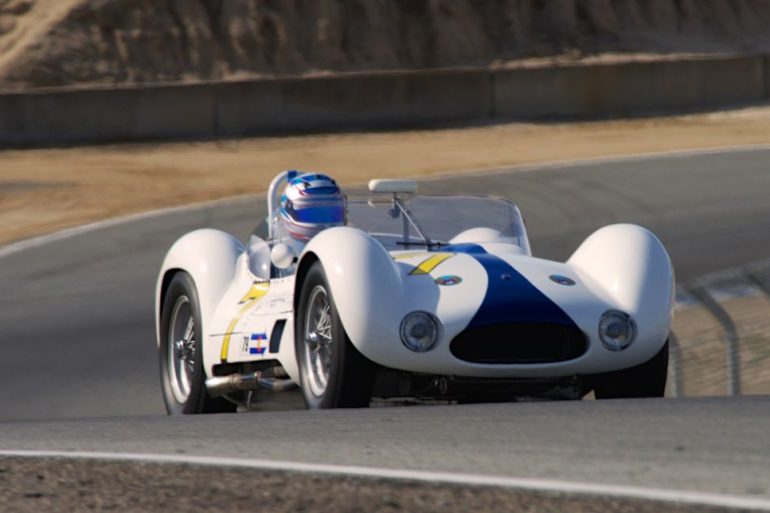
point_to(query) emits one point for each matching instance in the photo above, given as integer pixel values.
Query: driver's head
(310, 203)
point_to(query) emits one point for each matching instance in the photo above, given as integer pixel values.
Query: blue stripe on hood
(510, 297)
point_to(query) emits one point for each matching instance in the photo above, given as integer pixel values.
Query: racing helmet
(311, 202)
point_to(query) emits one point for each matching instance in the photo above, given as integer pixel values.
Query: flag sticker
(255, 344)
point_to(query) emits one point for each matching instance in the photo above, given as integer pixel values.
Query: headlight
(617, 330)
(419, 331)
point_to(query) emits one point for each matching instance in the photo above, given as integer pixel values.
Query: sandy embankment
(48, 43)
(42, 191)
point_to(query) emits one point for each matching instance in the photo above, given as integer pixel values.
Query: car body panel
(465, 284)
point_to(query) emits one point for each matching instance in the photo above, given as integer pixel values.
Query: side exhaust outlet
(222, 385)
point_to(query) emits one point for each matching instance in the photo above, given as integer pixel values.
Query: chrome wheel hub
(181, 349)
(317, 352)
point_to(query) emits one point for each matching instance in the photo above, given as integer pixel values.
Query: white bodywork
(620, 267)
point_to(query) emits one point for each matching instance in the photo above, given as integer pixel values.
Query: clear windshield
(440, 217)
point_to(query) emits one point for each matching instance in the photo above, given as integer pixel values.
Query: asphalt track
(78, 342)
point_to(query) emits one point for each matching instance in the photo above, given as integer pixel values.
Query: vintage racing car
(418, 297)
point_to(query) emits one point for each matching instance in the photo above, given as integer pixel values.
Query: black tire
(184, 395)
(645, 380)
(350, 376)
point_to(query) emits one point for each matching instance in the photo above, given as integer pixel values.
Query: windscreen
(440, 217)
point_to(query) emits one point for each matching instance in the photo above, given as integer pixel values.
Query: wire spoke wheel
(333, 374)
(181, 348)
(180, 351)
(318, 341)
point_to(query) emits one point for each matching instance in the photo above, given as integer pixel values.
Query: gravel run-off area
(37, 485)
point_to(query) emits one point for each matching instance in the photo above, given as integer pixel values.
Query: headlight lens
(419, 331)
(617, 330)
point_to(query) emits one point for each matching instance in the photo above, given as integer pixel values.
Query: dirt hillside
(63, 42)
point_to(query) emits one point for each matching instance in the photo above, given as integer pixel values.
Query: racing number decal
(427, 265)
(257, 292)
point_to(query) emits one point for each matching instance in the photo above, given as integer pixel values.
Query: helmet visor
(318, 215)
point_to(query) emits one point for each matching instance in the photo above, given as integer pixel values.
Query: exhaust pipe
(277, 385)
(221, 385)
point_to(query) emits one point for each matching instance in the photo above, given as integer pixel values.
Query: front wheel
(645, 380)
(183, 380)
(333, 374)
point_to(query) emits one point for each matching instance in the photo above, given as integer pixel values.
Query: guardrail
(377, 100)
(721, 342)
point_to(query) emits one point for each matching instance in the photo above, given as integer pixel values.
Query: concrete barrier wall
(334, 102)
(623, 89)
(376, 100)
(767, 76)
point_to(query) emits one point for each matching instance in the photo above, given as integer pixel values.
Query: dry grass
(45, 190)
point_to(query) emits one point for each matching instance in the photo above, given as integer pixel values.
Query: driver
(311, 202)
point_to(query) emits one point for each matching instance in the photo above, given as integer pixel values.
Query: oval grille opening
(519, 344)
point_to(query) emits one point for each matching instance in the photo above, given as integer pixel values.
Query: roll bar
(272, 196)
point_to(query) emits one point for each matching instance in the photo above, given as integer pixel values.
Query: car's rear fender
(210, 258)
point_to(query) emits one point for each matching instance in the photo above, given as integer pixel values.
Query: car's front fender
(630, 265)
(366, 284)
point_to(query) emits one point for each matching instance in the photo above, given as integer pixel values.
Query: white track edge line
(577, 162)
(523, 484)
(22, 245)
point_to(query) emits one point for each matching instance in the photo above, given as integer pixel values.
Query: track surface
(706, 445)
(78, 341)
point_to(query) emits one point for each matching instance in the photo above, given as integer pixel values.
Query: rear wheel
(645, 380)
(333, 374)
(181, 352)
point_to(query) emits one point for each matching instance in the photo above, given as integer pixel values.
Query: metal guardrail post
(676, 385)
(759, 276)
(732, 342)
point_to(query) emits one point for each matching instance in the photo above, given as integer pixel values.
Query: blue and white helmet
(311, 203)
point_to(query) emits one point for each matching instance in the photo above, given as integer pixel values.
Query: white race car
(417, 297)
